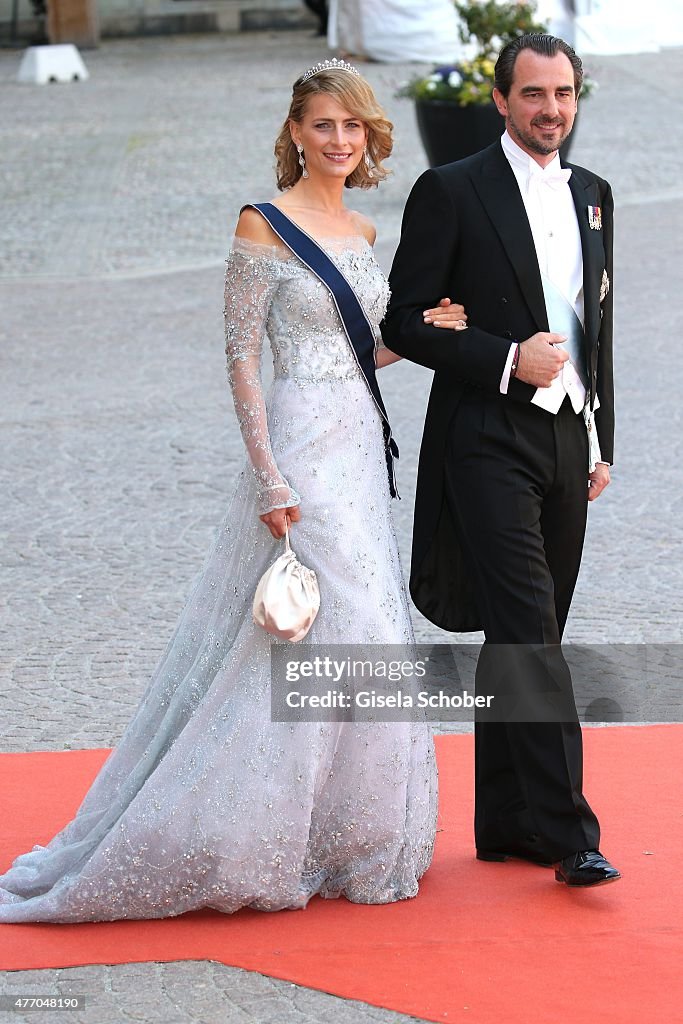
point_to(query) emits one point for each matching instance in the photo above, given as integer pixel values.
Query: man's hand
(447, 314)
(280, 518)
(539, 361)
(598, 480)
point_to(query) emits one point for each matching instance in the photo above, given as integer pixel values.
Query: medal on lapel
(595, 218)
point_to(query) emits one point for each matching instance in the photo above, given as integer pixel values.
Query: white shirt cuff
(505, 379)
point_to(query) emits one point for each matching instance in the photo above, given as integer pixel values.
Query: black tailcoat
(466, 235)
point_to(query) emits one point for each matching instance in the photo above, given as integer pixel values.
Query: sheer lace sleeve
(251, 279)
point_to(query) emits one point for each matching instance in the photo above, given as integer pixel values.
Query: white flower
(496, 43)
(434, 78)
(431, 85)
(455, 79)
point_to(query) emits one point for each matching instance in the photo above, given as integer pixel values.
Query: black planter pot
(450, 132)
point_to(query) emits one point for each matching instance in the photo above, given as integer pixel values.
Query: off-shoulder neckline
(282, 253)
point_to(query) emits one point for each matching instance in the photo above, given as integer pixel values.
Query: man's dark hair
(546, 45)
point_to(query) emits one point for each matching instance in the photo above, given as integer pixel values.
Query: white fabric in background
(396, 30)
(627, 26)
(558, 16)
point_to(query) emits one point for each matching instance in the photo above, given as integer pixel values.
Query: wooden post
(73, 21)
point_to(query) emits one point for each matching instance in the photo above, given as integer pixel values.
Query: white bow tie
(556, 178)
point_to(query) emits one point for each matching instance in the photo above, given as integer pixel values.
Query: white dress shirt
(554, 227)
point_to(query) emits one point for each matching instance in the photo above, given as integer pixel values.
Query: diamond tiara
(328, 65)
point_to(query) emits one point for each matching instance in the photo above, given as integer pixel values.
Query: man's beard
(532, 143)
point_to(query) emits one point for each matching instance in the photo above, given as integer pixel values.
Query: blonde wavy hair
(356, 95)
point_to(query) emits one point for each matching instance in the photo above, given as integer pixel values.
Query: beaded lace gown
(206, 802)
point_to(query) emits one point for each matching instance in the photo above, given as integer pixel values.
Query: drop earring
(302, 162)
(368, 166)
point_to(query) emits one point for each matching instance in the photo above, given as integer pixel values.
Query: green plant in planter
(465, 83)
(489, 25)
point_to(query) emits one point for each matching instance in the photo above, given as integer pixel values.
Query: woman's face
(332, 137)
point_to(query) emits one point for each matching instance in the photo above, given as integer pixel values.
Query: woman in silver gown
(206, 802)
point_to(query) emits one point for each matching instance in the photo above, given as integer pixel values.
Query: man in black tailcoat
(519, 431)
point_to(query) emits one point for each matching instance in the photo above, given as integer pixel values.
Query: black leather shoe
(587, 867)
(516, 853)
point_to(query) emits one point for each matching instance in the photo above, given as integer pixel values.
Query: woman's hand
(279, 519)
(447, 314)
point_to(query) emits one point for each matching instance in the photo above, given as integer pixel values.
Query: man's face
(540, 108)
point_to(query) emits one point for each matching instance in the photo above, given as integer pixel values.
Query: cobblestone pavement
(117, 200)
(186, 992)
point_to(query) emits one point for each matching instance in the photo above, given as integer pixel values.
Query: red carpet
(484, 943)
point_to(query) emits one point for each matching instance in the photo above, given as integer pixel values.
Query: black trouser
(516, 483)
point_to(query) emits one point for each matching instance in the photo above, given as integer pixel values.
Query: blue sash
(351, 313)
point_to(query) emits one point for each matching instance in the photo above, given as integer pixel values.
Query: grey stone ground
(119, 445)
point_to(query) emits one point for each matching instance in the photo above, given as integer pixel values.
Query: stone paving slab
(184, 992)
(119, 444)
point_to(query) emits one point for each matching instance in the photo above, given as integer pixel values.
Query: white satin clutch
(287, 597)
